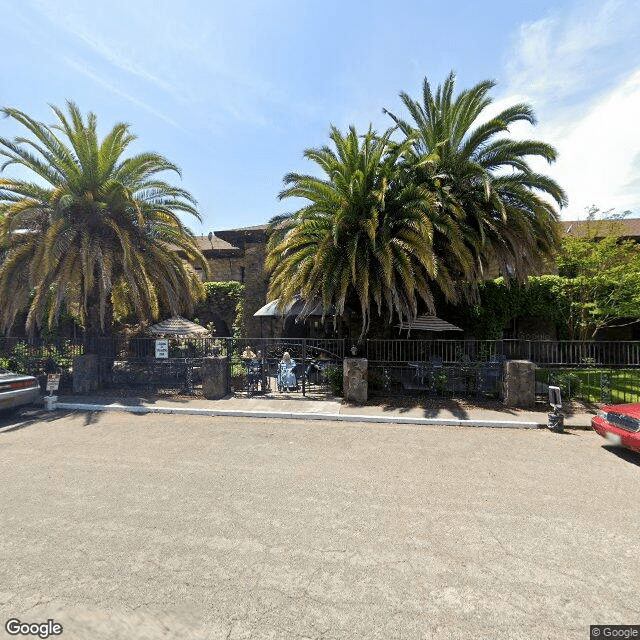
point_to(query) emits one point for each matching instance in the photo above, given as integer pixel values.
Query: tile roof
(626, 228)
(215, 244)
(259, 227)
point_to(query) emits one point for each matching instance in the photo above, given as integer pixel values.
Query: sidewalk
(294, 406)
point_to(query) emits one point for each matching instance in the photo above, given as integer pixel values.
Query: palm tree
(94, 231)
(502, 209)
(364, 236)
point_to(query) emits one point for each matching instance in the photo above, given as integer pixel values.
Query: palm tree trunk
(96, 331)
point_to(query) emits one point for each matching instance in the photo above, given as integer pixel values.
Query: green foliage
(101, 227)
(216, 292)
(493, 208)
(232, 288)
(390, 224)
(362, 237)
(602, 278)
(569, 383)
(23, 356)
(597, 286)
(440, 380)
(612, 386)
(334, 375)
(501, 300)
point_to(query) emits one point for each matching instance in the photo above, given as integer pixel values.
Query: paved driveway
(122, 526)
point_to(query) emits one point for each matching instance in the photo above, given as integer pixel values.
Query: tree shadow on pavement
(432, 407)
(23, 419)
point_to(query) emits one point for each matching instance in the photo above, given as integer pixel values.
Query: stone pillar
(215, 377)
(355, 379)
(519, 383)
(86, 373)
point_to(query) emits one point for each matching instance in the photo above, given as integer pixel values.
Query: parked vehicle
(620, 424)
(17, 390)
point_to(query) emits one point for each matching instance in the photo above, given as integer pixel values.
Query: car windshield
(622, 420)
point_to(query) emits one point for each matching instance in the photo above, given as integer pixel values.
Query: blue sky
(234, 92)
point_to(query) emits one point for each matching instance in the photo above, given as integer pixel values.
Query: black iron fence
(591, 384)
(37, 357)
(470, 379)
(591, 371)
(258, 364)
(574, 353)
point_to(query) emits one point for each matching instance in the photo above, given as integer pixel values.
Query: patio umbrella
(428, 323)
(178, 327)
(294, 308)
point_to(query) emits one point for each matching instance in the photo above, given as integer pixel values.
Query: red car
(620, 424)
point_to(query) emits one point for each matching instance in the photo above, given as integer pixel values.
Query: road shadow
(21, 419)
(432, 407)
(624, 454)
(137, 400)
(92, 417)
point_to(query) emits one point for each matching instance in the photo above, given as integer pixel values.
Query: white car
(17, 390)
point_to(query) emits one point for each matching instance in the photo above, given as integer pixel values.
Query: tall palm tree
(364, 237)
(93, 230)
(504, 211)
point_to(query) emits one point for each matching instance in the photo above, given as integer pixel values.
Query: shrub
(333, 375)
(569, 384)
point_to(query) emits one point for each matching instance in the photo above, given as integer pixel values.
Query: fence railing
(554, 353)
(549, 353)
(603, 384)
(447, 351)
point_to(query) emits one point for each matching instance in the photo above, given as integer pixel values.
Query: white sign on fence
(53, 381)
(162, 348)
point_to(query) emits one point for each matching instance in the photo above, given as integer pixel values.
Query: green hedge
(501, 300)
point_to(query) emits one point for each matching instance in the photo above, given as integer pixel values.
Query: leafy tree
(92, 230)
(602, 276)
(597, 286)
(364, 235)
(503, 210)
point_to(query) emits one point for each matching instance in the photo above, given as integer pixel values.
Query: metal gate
(134, 367)
(257, 365)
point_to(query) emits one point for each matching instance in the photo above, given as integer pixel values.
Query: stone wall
(226, 268)
(215, 378)
(354, 382)
(246, 267)
(519, 383)
(86, 373)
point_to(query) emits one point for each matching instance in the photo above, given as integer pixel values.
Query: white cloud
(84, 70)
(580, 69)
(118, 51)
(599, 151)
(568, 50)
(195, 58)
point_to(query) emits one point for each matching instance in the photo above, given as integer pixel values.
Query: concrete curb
(284, 415)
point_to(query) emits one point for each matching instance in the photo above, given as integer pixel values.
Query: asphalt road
(121, 526)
